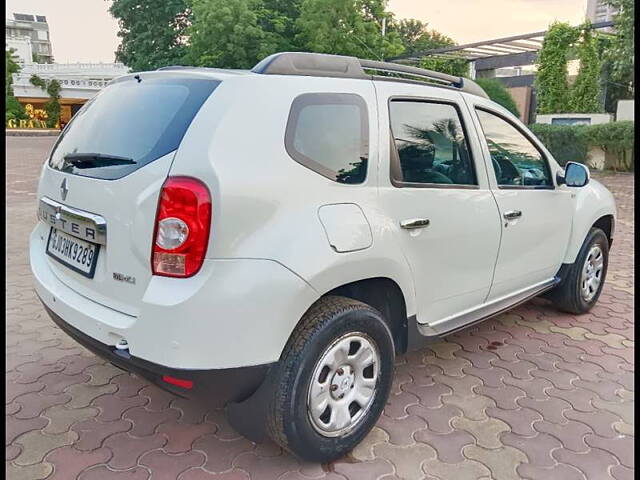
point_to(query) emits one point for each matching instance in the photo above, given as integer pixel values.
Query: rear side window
(128, 125)
(328, 133)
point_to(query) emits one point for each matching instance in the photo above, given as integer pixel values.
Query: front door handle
(512, 214)
(415, 223)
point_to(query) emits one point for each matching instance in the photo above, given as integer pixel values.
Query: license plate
(79, 255)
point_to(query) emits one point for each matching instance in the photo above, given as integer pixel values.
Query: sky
(84, 31)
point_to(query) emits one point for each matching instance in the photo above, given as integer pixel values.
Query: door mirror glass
(576, 174)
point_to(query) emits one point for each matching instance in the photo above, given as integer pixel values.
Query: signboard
(37, 118)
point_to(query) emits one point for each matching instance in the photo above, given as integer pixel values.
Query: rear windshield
(128, 125)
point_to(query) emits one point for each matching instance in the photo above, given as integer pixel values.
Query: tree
(622, 48)
(279, 16)
(14, 109)
(347, 27)
(551, 80)
(152, 33)
(585, 92)
(417, 38)
(230, 33)
(452, 66)
(497, 92)
(52, 107)
(618, 56)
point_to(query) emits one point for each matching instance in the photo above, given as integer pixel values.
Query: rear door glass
(128, 125)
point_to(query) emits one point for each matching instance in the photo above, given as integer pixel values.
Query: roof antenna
(137, 77)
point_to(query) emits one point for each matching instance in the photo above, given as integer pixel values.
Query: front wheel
(334, 379)
(582, 285)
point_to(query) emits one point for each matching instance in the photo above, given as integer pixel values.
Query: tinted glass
(515, 159)
(328, 133)
(431, 144)
(140, 121)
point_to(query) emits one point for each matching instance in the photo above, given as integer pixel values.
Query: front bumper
(218, 386)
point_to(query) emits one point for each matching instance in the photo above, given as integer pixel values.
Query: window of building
(329, 134)
(516, 160)
(430, 143)
(42, 35)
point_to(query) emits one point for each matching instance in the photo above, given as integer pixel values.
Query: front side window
(430, 143)
(516, 160)
(328, 133)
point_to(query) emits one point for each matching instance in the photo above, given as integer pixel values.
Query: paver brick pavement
(533, 393)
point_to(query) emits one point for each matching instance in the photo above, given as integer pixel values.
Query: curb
(31, 132)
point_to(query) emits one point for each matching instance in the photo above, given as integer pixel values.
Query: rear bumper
(218, 386)
(233, 314)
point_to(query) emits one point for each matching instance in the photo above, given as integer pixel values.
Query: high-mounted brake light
(182, 227)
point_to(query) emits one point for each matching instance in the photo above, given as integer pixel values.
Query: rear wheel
(334, 378)
(582, 285)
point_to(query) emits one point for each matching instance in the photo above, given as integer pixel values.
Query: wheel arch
(606, 223)
(385, 295)
(594, 207)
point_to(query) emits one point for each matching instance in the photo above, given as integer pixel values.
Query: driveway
(533, 393)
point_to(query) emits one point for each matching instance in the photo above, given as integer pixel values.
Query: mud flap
(249, 417)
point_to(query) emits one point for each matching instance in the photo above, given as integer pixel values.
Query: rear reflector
(188, 384)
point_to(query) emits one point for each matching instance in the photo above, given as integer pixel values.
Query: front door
(536, 214)
(435, 189)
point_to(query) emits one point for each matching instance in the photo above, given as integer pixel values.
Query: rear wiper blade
(95, 160)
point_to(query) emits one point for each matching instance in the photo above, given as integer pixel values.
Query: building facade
(29, 36)
(598, 11)
(78, 81)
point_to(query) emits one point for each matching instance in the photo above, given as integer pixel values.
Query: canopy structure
(527, 43)
(486, 57)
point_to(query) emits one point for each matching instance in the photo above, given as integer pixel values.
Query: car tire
(575, 294)
(327, 356)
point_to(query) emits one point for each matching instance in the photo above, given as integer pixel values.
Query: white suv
(271, 239)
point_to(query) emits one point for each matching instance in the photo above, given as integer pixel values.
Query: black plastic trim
(416, 340)
(217, 386)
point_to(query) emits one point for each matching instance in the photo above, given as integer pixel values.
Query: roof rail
(324, 65)
(173, 67)
(201, 69)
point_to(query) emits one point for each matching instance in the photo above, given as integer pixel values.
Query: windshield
(139, 121)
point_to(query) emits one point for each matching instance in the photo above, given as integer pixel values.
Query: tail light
(182, 228)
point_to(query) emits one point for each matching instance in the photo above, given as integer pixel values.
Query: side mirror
(575, 175)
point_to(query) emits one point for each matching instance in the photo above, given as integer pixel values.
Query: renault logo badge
(63, 189)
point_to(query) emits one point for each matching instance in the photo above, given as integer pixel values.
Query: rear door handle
(512, 214)
(415, 223)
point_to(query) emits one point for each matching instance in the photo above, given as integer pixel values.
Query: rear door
(536, 215)
(433, 184)
(110, 163)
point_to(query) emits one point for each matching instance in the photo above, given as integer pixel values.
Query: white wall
(22, 46)
(625, 110)
(593, 118)
(78, 80)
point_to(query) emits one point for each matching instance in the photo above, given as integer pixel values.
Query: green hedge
(565, 142)
(498, 93)
(570, 143)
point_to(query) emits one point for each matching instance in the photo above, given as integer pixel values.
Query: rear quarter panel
(265, 204)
